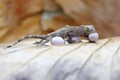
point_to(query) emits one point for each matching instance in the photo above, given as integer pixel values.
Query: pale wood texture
(81, 61)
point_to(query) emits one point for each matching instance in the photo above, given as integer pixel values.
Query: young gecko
(66, 33)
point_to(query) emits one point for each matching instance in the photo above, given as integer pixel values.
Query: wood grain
(82, 61)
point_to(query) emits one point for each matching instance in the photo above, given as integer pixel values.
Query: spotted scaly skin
(66, 33)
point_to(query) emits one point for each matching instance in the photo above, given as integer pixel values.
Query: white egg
(76, 39)
(57, 41)
(93, 36)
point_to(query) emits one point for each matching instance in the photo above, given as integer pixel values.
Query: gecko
(66, 33)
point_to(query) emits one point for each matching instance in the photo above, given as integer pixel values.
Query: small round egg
(93, 36)
(57, 41)
(76, 39)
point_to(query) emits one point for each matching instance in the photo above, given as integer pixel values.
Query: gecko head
(88, 29)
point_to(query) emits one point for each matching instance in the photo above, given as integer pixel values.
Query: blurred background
(19, 18)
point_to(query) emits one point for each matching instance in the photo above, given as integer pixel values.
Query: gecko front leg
(72, 39)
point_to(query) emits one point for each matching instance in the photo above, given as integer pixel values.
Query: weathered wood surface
(82, 61)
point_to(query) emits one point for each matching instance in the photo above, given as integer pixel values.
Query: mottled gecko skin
(66, 33)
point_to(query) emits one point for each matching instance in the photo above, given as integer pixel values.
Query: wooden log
(81, 61)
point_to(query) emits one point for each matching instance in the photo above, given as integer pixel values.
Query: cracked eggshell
(57, 41)
(93, 36)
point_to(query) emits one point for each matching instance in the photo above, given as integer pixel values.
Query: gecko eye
(89, 28)
(57, 41)
(93, 36)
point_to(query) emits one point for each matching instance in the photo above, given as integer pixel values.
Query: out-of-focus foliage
(26, 17)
